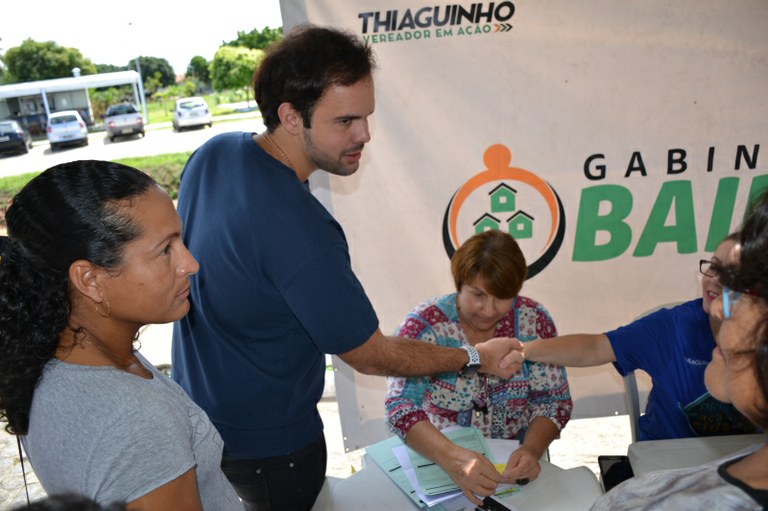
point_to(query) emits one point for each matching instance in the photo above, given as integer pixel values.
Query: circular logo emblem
(511, 199)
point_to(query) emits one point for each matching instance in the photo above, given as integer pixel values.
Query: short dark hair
(496, 258)
(301, 67)
(69, 212)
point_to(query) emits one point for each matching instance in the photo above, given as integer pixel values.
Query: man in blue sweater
(276, 291)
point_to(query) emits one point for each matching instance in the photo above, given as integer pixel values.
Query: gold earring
(101, 313)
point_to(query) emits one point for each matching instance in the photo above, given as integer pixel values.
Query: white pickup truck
(123, 120)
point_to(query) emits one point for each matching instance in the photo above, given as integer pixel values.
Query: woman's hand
(522, 464)
(472, 471)
(501, 356)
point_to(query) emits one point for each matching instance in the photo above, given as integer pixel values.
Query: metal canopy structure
(44, 87)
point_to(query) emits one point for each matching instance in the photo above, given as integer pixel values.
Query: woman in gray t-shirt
(93, 253)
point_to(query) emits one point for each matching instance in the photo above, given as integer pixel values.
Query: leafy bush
(165, 169)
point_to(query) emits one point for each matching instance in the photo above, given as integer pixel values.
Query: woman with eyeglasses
(673, 345)
(737, 374)
(533, 406)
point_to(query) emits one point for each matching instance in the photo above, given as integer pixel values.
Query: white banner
(618, 141)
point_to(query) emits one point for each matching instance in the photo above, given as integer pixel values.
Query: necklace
(276, 147)
(122, 360)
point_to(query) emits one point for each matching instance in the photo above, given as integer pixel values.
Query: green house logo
(503, 200)
(520, 225)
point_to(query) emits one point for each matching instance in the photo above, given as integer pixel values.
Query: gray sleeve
(124, 465)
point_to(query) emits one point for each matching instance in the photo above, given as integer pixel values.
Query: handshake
(501, 356)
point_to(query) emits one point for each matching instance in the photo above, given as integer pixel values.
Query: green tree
(34, 61)
(233, 68)
(189, 88)
(101, 99)
(257, 40)
(108, 68)
(154, 67)
(2, 66)
(199, 69)
(152, 84)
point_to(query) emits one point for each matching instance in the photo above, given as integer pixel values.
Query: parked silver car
(14, 138)
(66, 127)
(123, 120)
(190, 112)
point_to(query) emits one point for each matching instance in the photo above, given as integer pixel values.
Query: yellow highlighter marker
(512, 489)
(507, 491)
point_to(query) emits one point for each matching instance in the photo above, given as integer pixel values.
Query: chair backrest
(632, 397)
(637, 386)
(636, 399)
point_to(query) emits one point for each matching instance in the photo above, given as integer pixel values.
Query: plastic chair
(632, 400)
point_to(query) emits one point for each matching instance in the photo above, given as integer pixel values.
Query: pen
(507, 491)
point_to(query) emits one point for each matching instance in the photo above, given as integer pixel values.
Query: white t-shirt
(708, 487)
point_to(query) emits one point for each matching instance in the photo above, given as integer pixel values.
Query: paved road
(159, 139)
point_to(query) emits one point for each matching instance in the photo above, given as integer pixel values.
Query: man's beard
(326, 162)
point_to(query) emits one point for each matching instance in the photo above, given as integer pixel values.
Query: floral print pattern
(500, 408)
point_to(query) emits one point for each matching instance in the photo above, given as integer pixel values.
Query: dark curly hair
(67, 213)
(299, 68)
(750, 274)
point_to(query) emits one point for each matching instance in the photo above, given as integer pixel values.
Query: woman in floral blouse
(532, 406)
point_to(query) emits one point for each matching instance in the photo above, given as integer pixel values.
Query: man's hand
(501, 356)
(473, 472)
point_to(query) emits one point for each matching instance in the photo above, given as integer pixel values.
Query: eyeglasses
(729, 300)
(705, 267)
(730, 297)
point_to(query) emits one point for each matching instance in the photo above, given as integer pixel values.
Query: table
(653, 455)
(370, 489)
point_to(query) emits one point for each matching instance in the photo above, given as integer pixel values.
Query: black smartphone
(614, 470)
(491, 504)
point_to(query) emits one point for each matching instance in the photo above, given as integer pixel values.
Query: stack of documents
(425, 483)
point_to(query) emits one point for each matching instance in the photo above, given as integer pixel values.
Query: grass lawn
(219, 103)
(164, 168)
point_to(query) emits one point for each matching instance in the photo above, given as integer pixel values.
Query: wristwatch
(474, 356)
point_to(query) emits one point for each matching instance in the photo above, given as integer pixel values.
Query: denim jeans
(290, 482)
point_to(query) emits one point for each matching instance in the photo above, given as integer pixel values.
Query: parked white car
(190, 112)
(66, 127)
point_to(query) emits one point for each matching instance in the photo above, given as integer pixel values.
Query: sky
(115, 34)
